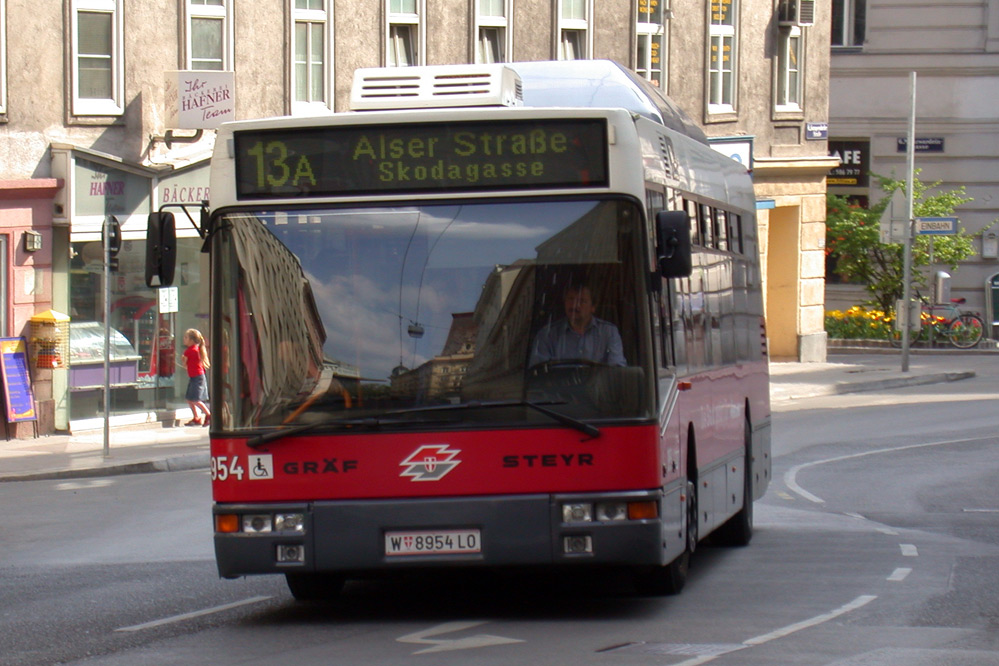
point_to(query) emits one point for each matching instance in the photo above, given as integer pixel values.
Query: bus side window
(721, 229)
(695, 227)
(704, 222)
(735, 232)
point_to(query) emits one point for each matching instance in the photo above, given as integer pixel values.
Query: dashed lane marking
(899, 574)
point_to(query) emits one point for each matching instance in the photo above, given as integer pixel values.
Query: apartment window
(651, 35)
(3, 57)
(493, 38)
(311, 60)
(722, 34)
(575, 36)
(97, 60)
(849, 22)
(405, 36)
(209, 28)
(789, 63)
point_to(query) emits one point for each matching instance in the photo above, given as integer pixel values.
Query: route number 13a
(224, 467)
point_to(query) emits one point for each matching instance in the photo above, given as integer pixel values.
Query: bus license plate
(436, 542)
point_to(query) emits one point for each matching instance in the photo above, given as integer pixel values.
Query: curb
(181, 463)
(843, 388)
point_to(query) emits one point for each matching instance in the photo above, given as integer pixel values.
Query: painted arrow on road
(444, 644)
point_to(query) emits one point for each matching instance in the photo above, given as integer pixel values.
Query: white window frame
(501, 24)
(3, 57)
(649, 33)
(414, 23)
(572, 25)
(716, 88)
(213, 12)
(790, 58)
(114, 105)
(312, 17)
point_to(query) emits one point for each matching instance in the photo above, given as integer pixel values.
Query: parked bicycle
(944, 321)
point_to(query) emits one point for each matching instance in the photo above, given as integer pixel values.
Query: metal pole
(107, 336)
(910, 158)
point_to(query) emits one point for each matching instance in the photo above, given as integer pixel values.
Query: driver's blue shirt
(600, 343)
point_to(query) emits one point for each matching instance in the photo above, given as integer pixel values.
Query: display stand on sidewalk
(18, 397)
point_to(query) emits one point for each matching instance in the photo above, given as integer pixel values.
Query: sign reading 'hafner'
(452, 156)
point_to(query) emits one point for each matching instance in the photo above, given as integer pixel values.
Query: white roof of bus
(600, 84)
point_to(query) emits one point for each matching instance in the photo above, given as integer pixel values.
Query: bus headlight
(577, 512)
(610, 511)
(257, 522)
(289, 522)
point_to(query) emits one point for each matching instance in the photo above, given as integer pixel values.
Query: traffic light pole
(910, 158)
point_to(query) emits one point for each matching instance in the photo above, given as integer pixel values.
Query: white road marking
(791, 474)
(817, 620)
(193, 614)
(443, 645)
(83, 485)
(908, 550)
(789, 629)
(899, 574)
(886, 530)
(980, 510)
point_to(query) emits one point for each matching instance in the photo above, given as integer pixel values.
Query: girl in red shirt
(196, 357)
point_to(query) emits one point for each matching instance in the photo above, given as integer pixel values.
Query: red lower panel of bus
(436, 464)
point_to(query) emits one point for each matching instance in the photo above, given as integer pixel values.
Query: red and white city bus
(503, 316)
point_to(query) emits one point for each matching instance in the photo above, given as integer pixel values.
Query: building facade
(96, 122)
(954, 50)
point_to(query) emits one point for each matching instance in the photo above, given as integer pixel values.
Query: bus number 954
(224, 467)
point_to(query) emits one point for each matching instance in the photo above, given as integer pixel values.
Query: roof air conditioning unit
(800, 13)
(436, 86)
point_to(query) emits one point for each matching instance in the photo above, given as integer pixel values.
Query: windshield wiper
(260, 440)
(581, 426)
(374, 423)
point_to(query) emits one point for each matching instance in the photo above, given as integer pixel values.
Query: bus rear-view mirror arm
(161, 243)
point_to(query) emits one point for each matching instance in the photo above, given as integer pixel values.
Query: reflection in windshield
(352, 312)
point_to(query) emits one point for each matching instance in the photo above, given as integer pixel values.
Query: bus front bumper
(626, 528)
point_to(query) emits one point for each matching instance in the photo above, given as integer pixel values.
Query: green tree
(853, 237)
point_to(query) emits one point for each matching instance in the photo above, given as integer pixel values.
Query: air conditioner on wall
(799, 13)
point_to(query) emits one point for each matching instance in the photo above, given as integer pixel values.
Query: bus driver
(580, 335)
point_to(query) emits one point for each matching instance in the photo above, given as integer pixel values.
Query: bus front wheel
(671, 578)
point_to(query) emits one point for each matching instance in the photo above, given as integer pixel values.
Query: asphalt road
(877, 544)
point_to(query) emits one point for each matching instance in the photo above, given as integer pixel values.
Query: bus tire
(670, 579)
(314, 586)
(738, 530)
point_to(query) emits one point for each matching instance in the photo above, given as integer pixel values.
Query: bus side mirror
(673, 243)
(161, 249)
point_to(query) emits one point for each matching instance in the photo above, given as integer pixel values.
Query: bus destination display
(323, 161)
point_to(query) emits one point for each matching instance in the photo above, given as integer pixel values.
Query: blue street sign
(936, 226)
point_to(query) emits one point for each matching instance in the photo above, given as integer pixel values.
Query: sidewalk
(159, 449)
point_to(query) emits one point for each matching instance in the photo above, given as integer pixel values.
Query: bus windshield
(330, 314)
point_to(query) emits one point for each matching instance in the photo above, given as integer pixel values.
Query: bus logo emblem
(430, 462)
